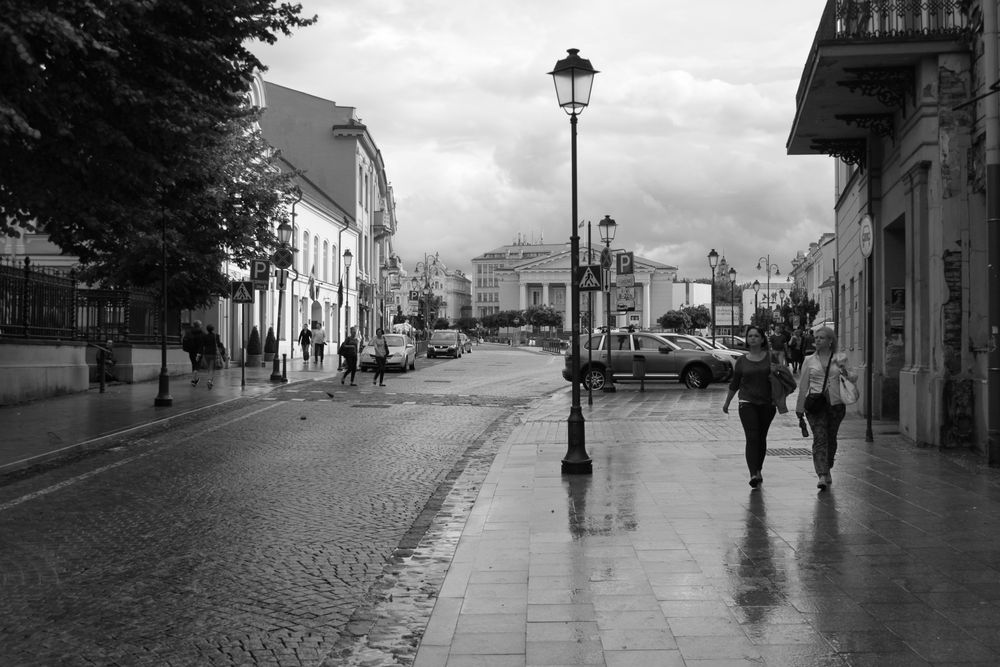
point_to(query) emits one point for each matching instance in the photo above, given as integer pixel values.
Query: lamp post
(771, 268)
(732, 301)
(713, 261)
(756, 304)
(607, 228)
(348, 258)
(284, 238)
(163, 398)
(425, 269)
(574, 77)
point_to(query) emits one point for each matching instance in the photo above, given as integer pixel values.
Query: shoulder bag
(848, 390)
(816, 401)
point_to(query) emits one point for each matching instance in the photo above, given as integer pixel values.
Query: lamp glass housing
(607, 228)
(713, 258)
(573, 77)
(348, 258)
(756, 286)
(732, 275)
(284, 233)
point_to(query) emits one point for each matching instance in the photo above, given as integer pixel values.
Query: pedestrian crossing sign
(242, 291)
(589, 278)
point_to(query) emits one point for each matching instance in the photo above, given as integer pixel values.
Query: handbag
(848, 391)
(816, 401)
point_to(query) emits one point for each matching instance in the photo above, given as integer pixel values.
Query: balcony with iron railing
(861, 68)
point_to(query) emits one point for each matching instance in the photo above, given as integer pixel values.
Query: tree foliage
(675, 319)
(126, 123)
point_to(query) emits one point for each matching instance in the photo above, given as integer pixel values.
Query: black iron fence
(47, 303)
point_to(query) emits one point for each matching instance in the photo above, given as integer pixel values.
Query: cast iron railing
(46, 303)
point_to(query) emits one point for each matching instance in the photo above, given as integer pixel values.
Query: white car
(692, 342)
(402, 354)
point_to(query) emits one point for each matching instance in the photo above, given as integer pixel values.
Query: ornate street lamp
(713, 261)
(766, 261)
(574, 77)
(732, 301)
(163, 398)
(348, 258)
(284, 239)
(607, 228)
(756, 304)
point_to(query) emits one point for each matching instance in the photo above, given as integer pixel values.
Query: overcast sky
(683, 143)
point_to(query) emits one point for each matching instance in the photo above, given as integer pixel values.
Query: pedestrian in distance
(777, 344)
(381, 357)
(319, 343)
(211, 349)
(762, 385)
(795, 354)
(819, 399)
(192, 345)
(305, 340)
(349, 351)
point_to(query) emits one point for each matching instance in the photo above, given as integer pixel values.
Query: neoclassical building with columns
(521, 275)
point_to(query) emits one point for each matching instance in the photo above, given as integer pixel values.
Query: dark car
(664, 361)
(444, 344)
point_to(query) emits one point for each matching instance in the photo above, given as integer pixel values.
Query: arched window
(326, 261)
(305, 253)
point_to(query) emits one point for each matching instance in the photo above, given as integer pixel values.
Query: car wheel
(404, 367)
(696, 377)
(593, 378)
(413, 363)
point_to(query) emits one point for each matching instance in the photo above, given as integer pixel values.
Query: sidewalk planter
(254, 356)
(270, 345)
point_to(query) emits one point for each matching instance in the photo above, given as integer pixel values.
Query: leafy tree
(675, 319)
(441, 323)
(542, 316)
(124, 123)
(699, 316)
(467, 323)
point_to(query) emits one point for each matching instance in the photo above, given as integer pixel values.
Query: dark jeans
(350, 366)
(756, 419)
(825, 425)
(318, 350)
(379, 370)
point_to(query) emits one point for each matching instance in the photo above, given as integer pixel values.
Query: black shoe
(754, 481)
(381, 384)
(343, 380)
(821, 483)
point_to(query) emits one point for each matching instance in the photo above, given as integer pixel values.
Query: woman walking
(761, 395)
(381, 356)
(211, 346)
(819, 399)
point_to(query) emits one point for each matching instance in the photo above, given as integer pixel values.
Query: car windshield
(443, 338)
(394, 341)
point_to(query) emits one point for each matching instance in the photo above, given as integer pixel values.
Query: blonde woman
(820, 378)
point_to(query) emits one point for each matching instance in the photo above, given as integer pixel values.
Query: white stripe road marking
(97, 471)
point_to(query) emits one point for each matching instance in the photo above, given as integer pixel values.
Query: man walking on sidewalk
(349, 351)
(305, 340)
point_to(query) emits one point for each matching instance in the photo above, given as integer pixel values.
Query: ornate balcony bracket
(851, 151)
(879, 123)
(890, 85)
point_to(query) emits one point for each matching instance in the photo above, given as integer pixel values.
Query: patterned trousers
(825, 425)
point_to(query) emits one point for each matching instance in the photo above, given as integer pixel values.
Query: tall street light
(607, 228)
(713, 261)
(426, 269)
(732, 301)
(756, 304)
(348, 258)
(284, 238)
(163, 398)
(574, 77)
(771, 268)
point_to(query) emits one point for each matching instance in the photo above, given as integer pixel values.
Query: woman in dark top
(752, 379)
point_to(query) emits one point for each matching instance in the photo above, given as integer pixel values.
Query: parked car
(733, 342)
(445, 343)
(692, 342)
(665, 361)
(402, 354)
(466, 343)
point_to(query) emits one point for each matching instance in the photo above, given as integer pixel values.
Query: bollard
(284, 367)
(243, 368)
(102, 368)
(275, 370)
(639, 370)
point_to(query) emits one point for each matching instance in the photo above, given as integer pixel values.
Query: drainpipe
(991, 109)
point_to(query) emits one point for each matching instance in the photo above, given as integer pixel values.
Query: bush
(253, 346)
(270, 342)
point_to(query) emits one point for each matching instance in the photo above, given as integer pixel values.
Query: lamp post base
(164, 399)
(276, 370)
(577, 461)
